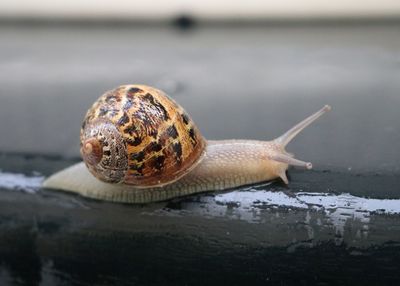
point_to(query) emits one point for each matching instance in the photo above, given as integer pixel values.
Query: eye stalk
(92, 151)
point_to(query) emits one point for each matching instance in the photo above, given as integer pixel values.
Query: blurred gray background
(249, 71)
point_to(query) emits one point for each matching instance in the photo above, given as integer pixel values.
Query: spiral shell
(137, 135)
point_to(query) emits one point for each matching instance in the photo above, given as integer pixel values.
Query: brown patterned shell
(137, 135)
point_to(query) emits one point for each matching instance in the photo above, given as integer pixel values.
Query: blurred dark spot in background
(184, 22)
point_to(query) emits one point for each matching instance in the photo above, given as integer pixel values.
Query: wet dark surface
(313, 233)
(338, 224)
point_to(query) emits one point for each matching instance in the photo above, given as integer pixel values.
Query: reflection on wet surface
(20, 182)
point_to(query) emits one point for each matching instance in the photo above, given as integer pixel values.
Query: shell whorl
(137, 135)
(92, 150)
(103, 151)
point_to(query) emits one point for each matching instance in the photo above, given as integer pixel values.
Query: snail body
(129, 129)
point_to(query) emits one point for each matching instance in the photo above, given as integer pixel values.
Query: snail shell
(137, 135)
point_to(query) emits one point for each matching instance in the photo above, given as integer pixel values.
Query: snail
(139, 146)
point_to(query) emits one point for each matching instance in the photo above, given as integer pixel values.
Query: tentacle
(284, 139)
(283, 158)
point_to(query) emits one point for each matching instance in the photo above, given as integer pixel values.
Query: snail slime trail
(139, 146)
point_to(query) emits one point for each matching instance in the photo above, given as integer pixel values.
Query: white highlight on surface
(20, 182)
(321, 201)
(338, 209)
